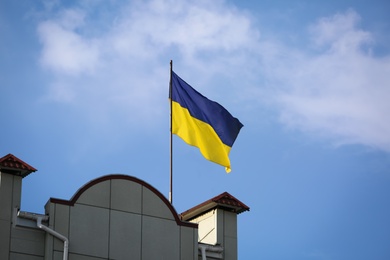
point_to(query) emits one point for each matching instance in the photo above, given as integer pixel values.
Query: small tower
(12, 171)
(217, 230)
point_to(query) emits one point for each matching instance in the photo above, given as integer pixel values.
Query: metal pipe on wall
(39, 219)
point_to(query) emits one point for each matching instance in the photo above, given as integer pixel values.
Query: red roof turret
(12, 164)
(224, 201)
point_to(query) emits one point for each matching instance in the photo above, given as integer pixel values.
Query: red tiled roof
(224, 200)
(11, 162)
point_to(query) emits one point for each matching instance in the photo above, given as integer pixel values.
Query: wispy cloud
(338, 89)
(127, 63)
(335, 87)
(66, 51)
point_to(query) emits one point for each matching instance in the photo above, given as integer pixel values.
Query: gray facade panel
(5, 235)
(152, 205)
(125, 235)
(18, 256)
(49, 240)
(160, 239)
(97, 195)
(230, 235)
(126, 196)
(61, 224)
(188, 243)
(58, 256)
(230, 245)
(17, 193)
(6, 184)
(230, 224)
(28, 241)
(89, 230)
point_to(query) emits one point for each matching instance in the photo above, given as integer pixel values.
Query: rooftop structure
(113, 217)
(10, 163)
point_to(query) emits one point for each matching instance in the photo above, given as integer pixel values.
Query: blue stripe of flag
(224, 124)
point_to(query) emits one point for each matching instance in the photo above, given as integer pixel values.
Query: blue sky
(84, 93)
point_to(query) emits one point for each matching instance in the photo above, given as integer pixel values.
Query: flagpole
(171, 141)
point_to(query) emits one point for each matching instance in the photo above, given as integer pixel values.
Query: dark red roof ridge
(227, 199)
(224, 200)
(13, 162)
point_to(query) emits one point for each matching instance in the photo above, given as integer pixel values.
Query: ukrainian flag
(202, 123)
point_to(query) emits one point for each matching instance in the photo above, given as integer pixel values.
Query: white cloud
(143, 30)
(342, 91)
(340, 33)
(129, 61)
(64, 50)
(335, 87)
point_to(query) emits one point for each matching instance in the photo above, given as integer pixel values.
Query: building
(113, 217)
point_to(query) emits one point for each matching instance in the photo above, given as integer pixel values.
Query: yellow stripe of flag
(202, 123)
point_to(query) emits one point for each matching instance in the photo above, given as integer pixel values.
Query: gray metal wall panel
(6, 186)
(18, 256)
(61, 224)
(126, 196)
(188, 243)
(230, 224)
(125, 235)
(89, 230)
(230, 246)
(160, 239)
(152, 205)
(230, 235)
(5, 238)
(49, 240)
(220, 225)
(85, 257)
(17, 192)
(97, 195)
(28, 241)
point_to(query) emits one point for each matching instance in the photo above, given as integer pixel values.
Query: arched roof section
(103, 189)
